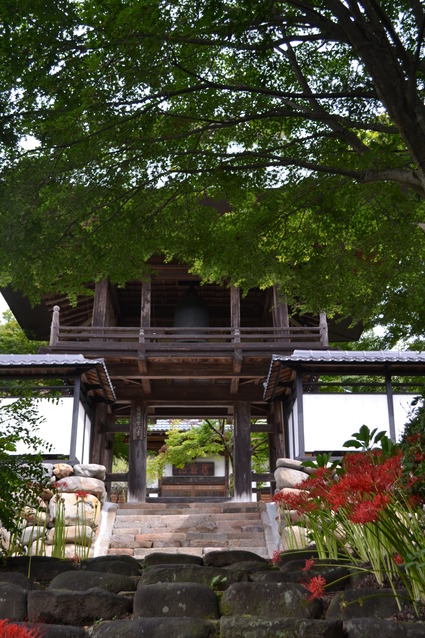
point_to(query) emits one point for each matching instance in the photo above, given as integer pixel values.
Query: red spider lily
(12, 630)
(365, 512)
(81, 494)
(398, 559)
(316, 586)
(301, 502)
(365, 488)
(309, 563)
(367, 478)
(277, 558)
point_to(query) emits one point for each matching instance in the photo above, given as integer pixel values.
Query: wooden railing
(150, 341)
(154, 341)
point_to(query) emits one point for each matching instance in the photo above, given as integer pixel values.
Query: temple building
(176, 349)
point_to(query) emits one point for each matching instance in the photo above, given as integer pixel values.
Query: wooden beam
(194, 393)
(201, 370)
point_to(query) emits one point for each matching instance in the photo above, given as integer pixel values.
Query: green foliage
(365, 439)
(120, 449)
(13, 340)
(21, 476)
(412, 444)
(262, 143)
(322, 461)
(185, 446)
(208, 438)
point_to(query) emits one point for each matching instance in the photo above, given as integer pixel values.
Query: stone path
(190, 528)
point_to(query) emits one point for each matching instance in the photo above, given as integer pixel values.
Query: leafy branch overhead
(261, 141)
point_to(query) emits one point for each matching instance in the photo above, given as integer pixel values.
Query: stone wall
(288, 474)
(226, 594)
(67, 517)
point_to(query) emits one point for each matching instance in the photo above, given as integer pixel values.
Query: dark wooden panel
(197, 469)
(193, 480)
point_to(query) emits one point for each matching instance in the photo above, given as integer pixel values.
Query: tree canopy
(13, 339)
(260, 141)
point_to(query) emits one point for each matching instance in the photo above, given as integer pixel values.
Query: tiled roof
(315, 362)
(62, 365)
(366, 356)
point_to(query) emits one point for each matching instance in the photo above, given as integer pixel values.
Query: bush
(21, 476)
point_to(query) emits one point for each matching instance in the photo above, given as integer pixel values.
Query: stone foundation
(67, 516)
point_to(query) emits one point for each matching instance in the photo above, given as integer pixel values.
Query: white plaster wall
(55, 428)
(331, 419)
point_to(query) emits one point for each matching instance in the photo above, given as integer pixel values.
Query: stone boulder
(78, 580)
(76, 608)
(16, 578)
(77, 510)
(271, 600)
(13, 601)
(175, 600)
(31, 534)
(249, 567)
(104, 564)
(156, 628)
(62, 470)
(364, 602)
(287, 477)
(37, 567)
(237, 626)
(216, 577)
(58, 631)
(373, 628)
(82, 484)
(80, 534)
(294, 464)
(161, 558)
(219, 558)
(90, 470)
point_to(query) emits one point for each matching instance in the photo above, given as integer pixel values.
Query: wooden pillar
(98, 433)
(137, 453)
(280, 311)
(145, 304)
(242, 451)
(145, 322)
(74, 425)
(276, 438)
(235, 322)
(54, 328)
(390, 404)
(102, 442)
(103, 307)
(108, 445)
(324, 338)
(299, 446)
(235, 307)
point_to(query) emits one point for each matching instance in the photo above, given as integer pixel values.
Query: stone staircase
(193, 527)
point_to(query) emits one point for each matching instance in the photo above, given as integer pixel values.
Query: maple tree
(260, 141)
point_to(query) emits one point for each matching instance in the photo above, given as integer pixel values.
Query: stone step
(132, 508)
(141, 528)
(185, 521)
